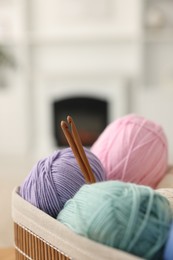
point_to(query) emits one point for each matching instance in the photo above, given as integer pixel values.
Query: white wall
(69, 38)
(14, 128)
(54, 40)
(155, 103)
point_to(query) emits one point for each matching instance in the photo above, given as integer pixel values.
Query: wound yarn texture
(56, 178)
(133, 149)
(130, 217)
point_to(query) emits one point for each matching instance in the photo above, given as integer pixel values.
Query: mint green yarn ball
(126, 216)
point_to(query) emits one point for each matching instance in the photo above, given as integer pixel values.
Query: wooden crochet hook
(77, 148)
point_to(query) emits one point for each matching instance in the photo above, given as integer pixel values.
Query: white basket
(39, 237)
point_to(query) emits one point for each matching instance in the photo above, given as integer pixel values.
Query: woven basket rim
(55, 233)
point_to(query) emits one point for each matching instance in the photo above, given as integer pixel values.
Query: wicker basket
(40, 237)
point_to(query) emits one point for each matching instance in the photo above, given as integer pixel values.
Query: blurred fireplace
(90, 116)
(92, 100)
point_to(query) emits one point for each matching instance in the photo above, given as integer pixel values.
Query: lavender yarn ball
(56, 179)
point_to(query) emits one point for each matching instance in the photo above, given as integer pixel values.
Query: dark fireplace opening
(90, 116)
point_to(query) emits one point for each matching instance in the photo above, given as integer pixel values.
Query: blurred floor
(7, 254)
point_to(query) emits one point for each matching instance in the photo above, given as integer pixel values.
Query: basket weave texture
(29, 246)
(37, 236)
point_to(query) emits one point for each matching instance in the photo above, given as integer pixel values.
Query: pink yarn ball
(133, 149)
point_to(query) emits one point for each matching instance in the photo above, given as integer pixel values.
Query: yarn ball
(133, 149)
(167, 193)
(126, 216)
(56, 178)
(168, 253)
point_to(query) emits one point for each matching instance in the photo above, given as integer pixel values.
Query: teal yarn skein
(126, 216)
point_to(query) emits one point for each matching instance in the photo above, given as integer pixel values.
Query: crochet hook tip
(69, 119)
(64, 124)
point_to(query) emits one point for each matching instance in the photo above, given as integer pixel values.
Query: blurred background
(96, 60)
